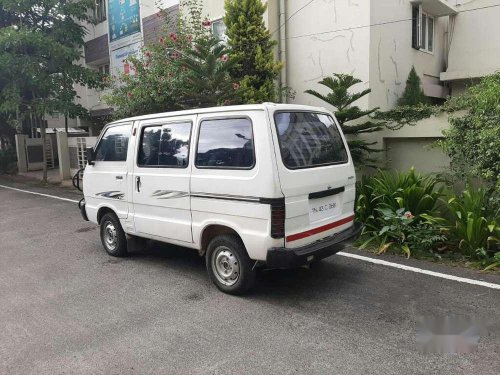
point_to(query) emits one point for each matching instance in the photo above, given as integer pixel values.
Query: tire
(112, 236)
(229, 266)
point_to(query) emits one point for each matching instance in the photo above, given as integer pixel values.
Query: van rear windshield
(309, 139)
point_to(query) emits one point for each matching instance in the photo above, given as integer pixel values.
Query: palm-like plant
(208, 80)
(347, 113)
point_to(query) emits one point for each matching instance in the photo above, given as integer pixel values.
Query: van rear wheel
(228, 265)
(112, 236)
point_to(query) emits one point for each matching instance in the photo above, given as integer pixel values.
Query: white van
(245, 186)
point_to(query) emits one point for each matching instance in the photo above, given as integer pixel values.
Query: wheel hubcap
(110, 238)
(225, 265)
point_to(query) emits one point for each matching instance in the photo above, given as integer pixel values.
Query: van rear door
(316, 175)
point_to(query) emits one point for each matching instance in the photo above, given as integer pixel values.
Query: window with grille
(422, 29)
(219, 30)
(100, 10)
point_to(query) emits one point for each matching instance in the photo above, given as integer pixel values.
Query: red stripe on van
(323, 228)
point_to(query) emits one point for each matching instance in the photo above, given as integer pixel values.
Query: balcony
(438, 8)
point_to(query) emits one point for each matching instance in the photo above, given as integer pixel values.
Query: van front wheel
(112, 236)
(228, 265)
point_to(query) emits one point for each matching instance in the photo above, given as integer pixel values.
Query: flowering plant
(186, 68)
(393, 230)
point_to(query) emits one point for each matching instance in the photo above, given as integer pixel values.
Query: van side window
(225, 143)
(114, 143)
(165, 145)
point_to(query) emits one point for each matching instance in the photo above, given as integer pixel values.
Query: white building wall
(474, 43)
(324, 38)
(391, 59)
(392, 55)
(214, 10)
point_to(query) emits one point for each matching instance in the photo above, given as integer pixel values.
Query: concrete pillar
(22, 161)
(63, 150)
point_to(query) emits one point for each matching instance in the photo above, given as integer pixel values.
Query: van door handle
(119, 177)
(138, 183)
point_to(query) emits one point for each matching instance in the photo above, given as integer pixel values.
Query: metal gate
(77, 156)
(34, 153)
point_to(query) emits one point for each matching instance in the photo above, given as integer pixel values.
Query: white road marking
(341, 253)
(43, 195)
(420, 270)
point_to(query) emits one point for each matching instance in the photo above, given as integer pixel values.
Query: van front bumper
(81, 206)
(281, 257)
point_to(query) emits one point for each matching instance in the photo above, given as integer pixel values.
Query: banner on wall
(118, 58)
(124, 20)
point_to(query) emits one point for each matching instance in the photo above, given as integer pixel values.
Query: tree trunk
(41, 123)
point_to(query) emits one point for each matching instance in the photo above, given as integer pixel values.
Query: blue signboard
(124, 19)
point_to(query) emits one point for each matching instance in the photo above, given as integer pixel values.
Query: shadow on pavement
(327, 277)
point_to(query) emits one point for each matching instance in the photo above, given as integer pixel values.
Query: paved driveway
(67, 307)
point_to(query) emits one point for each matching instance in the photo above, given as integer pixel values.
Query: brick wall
(153, 26)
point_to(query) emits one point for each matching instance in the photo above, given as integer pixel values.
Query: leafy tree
(185, 69)
(252, 56)
(355, 121)
(473, 139)
(342, 99)
(7, 132)
(413, 94)
(40, 43)
(208, 82)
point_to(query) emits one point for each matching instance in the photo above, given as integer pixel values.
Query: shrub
(389, 228)
(8, 160)
(401, 212)
(252, 55)
(397, 209)
(413, 93)
(426, 237)
(394, 190)
(472, 226)
(473, 139)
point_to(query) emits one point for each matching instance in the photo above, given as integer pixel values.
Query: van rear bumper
(280, 257)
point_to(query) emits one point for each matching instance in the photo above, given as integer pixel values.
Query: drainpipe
(282, 48)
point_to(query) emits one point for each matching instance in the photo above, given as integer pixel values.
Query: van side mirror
(89, 152)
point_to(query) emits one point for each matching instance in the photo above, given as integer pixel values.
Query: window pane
(225, 143)
(424, 31)
(430, 34)
(309, 139)
(219, 30)
(165, 145)
(414, 27)
(114, 143)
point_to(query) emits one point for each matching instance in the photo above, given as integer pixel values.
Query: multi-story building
(450, 44)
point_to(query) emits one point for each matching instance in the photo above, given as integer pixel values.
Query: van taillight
(278, 219)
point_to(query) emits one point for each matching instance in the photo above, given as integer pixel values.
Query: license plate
(323, 208)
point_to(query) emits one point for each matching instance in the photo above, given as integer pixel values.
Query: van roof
(246, 107)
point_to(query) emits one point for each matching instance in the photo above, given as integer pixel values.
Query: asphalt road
(67, 307)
